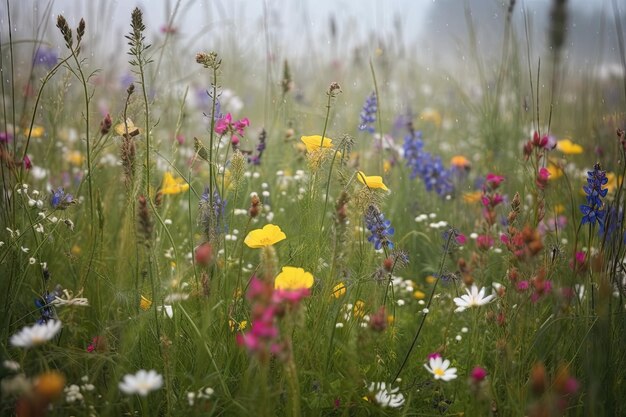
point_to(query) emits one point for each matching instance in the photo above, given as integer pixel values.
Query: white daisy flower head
(440, 368)
(36, 335)
(473, 298)
(141, 383)
(386, 396)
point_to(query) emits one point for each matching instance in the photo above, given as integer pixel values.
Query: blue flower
(593, 212)
(368, 113)
(60, 200)
(46, 57)
(428, 167)
(380, 229)
(213, 218)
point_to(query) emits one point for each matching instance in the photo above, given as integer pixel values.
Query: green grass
(107, 248)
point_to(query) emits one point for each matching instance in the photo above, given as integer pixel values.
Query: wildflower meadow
(193, 225)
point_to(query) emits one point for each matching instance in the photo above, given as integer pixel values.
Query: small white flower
(25, 250)
(473, 298)
(440, 368)
(36, 335)
(386, 397)
(32, 261)
(167, 222)
(175, 297)
(11, 365)
(141, 383)
(425, 311)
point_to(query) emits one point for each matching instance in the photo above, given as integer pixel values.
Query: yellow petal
(292, 278)
(269, 235)
(568, 147)
(314, 142)
(173, 185)
(373, 181)
(120, 128)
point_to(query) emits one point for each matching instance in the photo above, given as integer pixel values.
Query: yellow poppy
(268, 236)
(292, 278)
(373, 181)
(359, 309)
(339, 290)
(144, 303)
(431, 279)
(568, 147)
(460, 161)
(75, 158)
(431, 115)
(313, 143)
(173, 185)
(237, 326)
(35, 132)
(554, 169)
(419, 295)
(473, 197)
(133, 130)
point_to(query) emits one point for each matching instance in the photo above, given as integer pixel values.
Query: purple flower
(368, 113)
(380, 229)
(45, 57)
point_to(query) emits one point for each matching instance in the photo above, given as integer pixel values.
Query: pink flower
(461, 239)
(542, 178)
(434, 355)
(478, 374)
(222, 125)
(494, 180)
(522, 285)
(484, 242)
(27, 164)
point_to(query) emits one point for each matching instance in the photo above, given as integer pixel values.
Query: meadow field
(196, 226)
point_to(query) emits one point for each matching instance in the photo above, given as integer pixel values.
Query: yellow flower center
(438, 371)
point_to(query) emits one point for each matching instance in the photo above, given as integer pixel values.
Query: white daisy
(386, 397)
(440, 368)
(141, 383)
(473, 298)
(36, 335)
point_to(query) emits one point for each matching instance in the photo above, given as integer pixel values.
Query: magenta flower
(478, 374)
(225, 125)
(494, 180)
(27, 163)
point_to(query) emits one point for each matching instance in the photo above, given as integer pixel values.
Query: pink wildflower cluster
(268, 306)
(235, 129)
(539, 144)
(490, 197)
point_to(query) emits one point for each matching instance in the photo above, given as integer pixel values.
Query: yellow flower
(386, 166)
(359, 309)
(35, 132)
(559, 209)
(568, 147)
(613, 181)
(144, 303)
(473, 197)
(419, 295)
(339, 290)
(312, 143)
(75, 158)
(173, 185)
(373, 181)
(133, 130)
(49, 385)
(431, 115)
(268, 236)
(292, 278)
(554, 169)
(460, 161)
(237, 326)
(431, 279)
